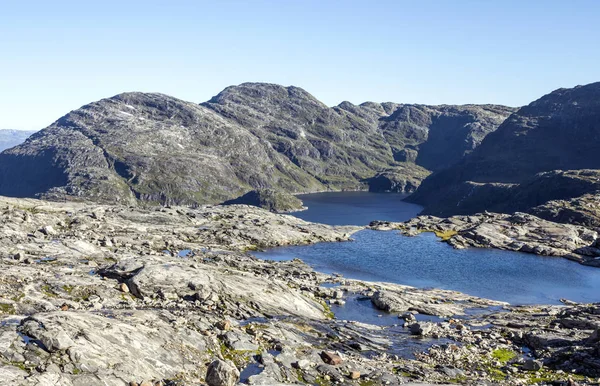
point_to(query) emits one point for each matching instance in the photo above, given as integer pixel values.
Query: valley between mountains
(129, 226)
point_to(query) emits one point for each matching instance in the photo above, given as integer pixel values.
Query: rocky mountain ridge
(543, 152)
(154, 148)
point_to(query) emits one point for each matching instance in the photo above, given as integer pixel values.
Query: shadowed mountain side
(559, 131)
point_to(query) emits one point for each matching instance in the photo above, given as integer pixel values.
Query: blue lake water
(424, 261)
(355, 208)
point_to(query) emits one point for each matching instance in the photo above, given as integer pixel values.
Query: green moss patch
(503, 355)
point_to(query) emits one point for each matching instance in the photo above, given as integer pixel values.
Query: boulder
(331, 358)
(221, 373)
(533, 365)
(421, 329)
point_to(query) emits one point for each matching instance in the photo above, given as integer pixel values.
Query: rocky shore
(117, 295)
(514, 232)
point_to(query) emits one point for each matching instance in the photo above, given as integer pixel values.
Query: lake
(355, 208)
(425, 261)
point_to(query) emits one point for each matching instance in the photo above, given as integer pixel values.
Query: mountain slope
(559, 131)
(160, 149)
(146, 146)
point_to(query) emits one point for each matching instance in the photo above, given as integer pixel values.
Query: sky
(56, 56)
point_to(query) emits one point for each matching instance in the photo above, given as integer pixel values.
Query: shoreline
(518, 232)
(127, 283)
(323, 267)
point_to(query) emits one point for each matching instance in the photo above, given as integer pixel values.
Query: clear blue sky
(58, 55)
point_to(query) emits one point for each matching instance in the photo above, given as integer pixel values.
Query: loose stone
(331, 358)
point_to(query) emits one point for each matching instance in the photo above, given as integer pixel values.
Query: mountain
(10, 138)
(538, 154)
(159, 149)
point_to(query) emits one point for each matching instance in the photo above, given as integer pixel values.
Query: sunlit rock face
(155, 148)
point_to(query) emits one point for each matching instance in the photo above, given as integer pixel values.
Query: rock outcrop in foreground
(557, 132)
(155, 148)
(114, 295)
